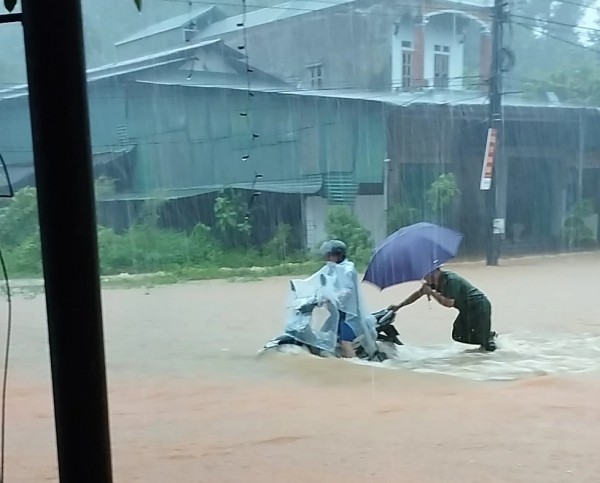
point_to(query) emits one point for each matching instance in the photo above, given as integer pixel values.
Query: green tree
(544, 41)
(440, 195)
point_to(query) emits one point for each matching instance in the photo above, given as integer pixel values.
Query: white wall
(444, 31)
(315, 214)
(371, 214)
(369, 210)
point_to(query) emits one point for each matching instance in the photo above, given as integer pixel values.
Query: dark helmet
(333, 247)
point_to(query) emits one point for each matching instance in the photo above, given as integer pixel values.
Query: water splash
(517, 357)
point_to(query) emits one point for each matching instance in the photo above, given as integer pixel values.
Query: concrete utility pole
(495, 228)
(65, 189)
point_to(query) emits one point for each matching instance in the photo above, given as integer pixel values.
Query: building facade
(364, 44)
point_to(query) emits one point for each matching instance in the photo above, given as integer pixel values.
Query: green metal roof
(308, 185)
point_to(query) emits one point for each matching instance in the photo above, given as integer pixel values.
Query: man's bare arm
(409, 300)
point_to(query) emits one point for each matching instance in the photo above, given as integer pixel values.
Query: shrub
(233, 225)
(26, 258)
(145, 247)
(343, 225)
(19, 218)
(440, 196)
(575, 233)
(202, 246)
(141, 249)
(279, 248)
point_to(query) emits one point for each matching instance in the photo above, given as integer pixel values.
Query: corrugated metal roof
(23, 174)
(238, 80)
(172, 23)
(269, 14)
(130, 66)
(308, 185)
(431, 97)
(158, 56)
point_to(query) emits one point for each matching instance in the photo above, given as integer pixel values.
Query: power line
(555, 37)
(458, 101)
(550, 83)
(553, 22)
(581, 5)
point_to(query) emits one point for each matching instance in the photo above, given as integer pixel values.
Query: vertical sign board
(488, 160)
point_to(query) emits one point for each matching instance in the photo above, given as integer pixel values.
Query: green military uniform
(473, 324)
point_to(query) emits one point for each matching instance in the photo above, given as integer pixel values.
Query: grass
(188, 274)
(180, 275)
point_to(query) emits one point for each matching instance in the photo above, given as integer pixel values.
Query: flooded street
(190, 401)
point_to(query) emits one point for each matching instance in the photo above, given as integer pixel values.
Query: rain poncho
(315, 304)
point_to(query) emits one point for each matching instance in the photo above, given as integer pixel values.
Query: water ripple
(517, 357)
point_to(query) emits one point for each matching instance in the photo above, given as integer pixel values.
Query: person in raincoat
(354, 321)
(473, 324)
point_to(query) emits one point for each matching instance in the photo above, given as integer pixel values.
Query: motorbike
(303, 328)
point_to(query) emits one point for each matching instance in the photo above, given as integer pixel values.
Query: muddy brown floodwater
(190, 402)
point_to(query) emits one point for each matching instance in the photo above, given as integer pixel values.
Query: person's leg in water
(346, 336)
(483, 318)
(474, 327)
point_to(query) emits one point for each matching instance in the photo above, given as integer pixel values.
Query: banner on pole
(488, 160)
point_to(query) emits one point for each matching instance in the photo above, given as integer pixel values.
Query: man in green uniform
(473, 324)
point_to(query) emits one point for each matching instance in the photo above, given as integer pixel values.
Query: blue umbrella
(411, 253)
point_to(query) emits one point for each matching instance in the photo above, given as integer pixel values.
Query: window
(441, 66)
(407, 56)
(316, 76)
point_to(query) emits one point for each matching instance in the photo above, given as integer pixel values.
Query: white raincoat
(334, 288)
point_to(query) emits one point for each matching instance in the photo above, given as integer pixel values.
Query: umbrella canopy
(411, 253)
